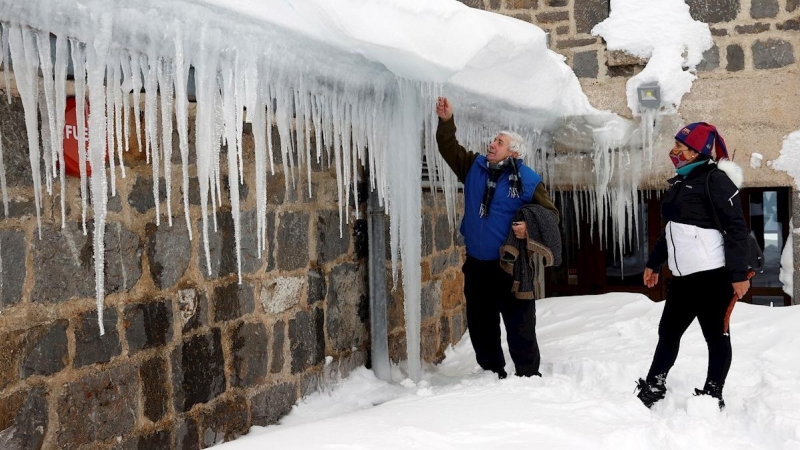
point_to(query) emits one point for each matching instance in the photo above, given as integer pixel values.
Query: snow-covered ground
(593, 350)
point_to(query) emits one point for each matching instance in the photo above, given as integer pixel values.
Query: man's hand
(740, 288)
(520, 229)
(444, 109)
(650, 277)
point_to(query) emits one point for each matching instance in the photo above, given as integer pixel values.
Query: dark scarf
(495, 172)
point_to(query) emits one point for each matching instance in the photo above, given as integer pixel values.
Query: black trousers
(706, 296)
(487, 289)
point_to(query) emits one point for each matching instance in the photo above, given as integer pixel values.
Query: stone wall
(189, 358)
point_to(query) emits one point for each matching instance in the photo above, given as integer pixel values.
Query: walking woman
(705, 245)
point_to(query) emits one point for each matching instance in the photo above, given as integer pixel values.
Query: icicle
(79, 75)
(148, 64)
(181, 74)
(3, 185)
(109, 106)
(6, 58)
(166, 92)
(136, 81)
(116, 98)
(60, 105)
(96, 64)
(231, 119)
(26, 67)
(48, 113)
(205, 80)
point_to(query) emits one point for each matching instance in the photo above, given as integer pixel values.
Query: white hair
(516, 143)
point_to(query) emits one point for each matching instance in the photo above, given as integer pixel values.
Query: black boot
(713, 389)
(652, 390)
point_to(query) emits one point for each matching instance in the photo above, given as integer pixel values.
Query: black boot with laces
(713, 389)
(652, 390)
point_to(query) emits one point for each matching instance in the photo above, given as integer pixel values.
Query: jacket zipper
(674, 255)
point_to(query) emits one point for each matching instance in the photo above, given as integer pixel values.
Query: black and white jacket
(691, 241)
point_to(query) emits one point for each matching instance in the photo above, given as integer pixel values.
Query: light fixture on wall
(649, 96)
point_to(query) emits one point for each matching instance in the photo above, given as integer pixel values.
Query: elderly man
(496, 186)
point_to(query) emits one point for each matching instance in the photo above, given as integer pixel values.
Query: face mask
(679, 160)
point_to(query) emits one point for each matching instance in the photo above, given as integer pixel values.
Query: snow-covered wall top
(664, 33)
(443, 41)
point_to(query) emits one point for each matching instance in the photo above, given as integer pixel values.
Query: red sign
(71, 156)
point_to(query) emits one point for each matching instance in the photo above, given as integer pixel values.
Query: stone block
(571, 43)
(169, 252)
(232, 301)
(552, 16)
(249, 354)
(445, 338)
(521, 4)
(278, 340)
(13, 269)
(789, 25)
(225, 421)
(268, 407)
(96, 407)
(431, 299)
(714, 11)
(187, 436)
(791, 5)
(710, 59)
(459, 326)
(282, 293)
(45, 352)
(735, 56)
(443, 234)
(427, 234)
(292, 239)
(477, 4)
(588, 13)
(330, 245)
(557, 3)
(222, 245)
(430, 343)
(20, 207)
(758, 27)
(307, 339)
(154, 382)
(494, 4)
(346, 312)
(23, 419)
(141, 197)
(90, 346)
(585, 64)
(147, 325)
(193, 309)
(317, 288)
(16, 156)
(772, 54)
(276, 189)
(156, 440)
(452, 292)
(719, 32)
(198, 370)
(63, 261)
(620, 71)
(616, 58)
(764, 9)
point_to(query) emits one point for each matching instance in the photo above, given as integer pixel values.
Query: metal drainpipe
(377, 289)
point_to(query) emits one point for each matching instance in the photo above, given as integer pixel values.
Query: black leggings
(705, 295)
(487, 289)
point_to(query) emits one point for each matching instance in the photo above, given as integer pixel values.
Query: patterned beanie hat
(701, 137)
